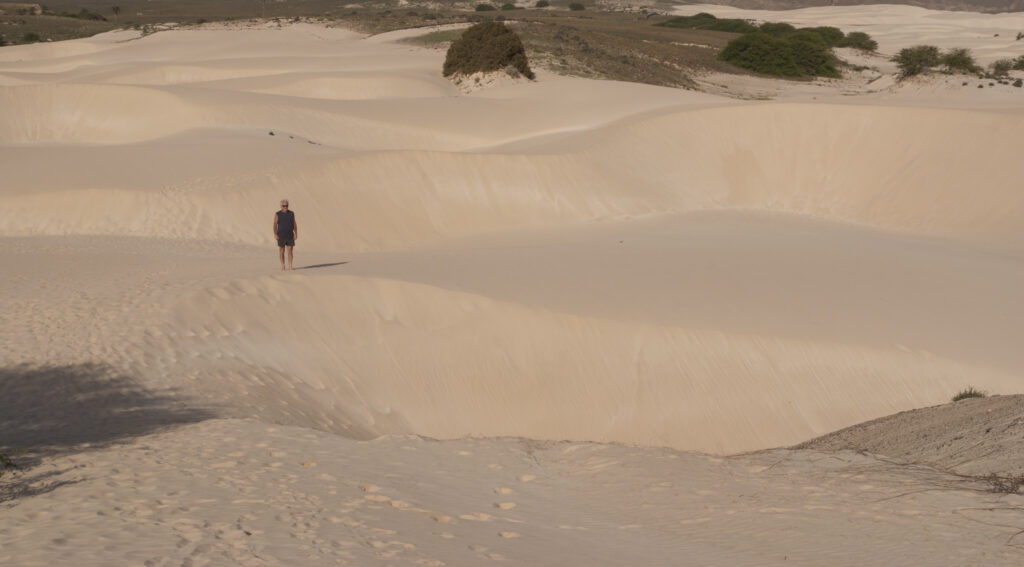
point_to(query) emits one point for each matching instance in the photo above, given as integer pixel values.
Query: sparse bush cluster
(577, 7)
(781, 49)
(777, 48)
(969, 392)
(485, 47)
(705, 21)
(6, 464)
(923, 58)
(859, 40)
(1005, 485)
(543, 3)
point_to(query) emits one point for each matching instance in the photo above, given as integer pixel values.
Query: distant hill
(985, 6)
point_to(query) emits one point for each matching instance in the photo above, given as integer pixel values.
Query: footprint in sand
(527, 478)
(505, 505)
(502, 490)
(508, 535)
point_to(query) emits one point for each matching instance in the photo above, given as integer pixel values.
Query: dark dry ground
(974, 436)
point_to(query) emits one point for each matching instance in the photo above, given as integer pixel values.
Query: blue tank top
(285, 223)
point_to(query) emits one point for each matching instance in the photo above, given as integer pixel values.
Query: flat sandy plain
(561, 322)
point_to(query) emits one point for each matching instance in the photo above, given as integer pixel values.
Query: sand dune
(645, 272)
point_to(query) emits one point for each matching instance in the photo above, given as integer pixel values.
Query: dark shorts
(282, 241)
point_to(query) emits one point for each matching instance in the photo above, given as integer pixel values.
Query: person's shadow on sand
(320, 266)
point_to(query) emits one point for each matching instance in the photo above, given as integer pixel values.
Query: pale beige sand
(561, 259)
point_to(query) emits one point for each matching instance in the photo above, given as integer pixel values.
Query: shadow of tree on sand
(48, 411)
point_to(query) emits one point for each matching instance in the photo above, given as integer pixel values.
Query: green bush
(1002, 67)
(3, 40)
(543, 3)
(762, 53)
(1019, 83)
(577, 7)
(970, 392)
(1018, 63)
(6, 464)
(916, 60)
(31, 37)
(484, 8)
(799, 54)
(833, 37)
(959, 60)
(487, 46)
(508, 6)
(776, 29)
(705, 21)
(812, 54)
(859, 40)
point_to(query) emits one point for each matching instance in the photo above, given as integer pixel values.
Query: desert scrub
(970, 391)
(485, 47)
(1002, 67)
(705, 21)
(6, 464)
(859, 40)
(1005, 484)
(798, 54)
(777, 48)
(917, 59)
(959, 60)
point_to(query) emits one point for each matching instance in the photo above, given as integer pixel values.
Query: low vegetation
(778, 48)
(485, 47)
(705, 21)
(959, 60)
(1005, 484)
(6, 464)
(921, 59)
(969, 392)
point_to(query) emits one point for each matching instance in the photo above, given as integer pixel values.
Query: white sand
(565, 259)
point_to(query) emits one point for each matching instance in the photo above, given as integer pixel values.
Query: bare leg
(290, 266)
(281, 254)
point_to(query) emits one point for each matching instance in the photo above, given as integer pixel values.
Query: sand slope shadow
(49, 410)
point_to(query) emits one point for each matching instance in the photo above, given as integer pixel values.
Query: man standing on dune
(286, 230)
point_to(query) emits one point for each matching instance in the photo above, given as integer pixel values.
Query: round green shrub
(762, 53)
(543, 3)
(959, 60)
(484, 47)
(776, 28)
(508, 6)
(859, 40)
(1002, 67)
(577, 7)
(833, 37)
(484, 8)
(916, 60)
(800, 53)
(31, 37)
(706, 21)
